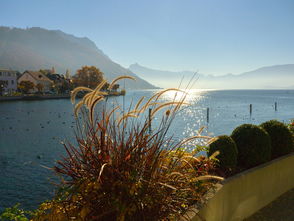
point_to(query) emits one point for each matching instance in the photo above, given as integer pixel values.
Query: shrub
(254, 145)
(227, 152)
(281, 137)
(121, 171)
(291, 126)
(15, 213)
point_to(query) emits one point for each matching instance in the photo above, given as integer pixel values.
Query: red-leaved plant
(120, 170)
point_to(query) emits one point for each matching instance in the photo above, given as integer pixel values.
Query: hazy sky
(213, 37)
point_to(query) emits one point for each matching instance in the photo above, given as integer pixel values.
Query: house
(36, 77)
(8, 81)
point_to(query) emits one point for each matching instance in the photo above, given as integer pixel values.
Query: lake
(31, 132)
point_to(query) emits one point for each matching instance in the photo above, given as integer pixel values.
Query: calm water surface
(31, 132)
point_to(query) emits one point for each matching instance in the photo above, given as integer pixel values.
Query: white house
(8, 80)
(37, 78)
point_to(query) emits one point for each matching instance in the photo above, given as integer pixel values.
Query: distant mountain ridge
(38, 48)
(269, 77)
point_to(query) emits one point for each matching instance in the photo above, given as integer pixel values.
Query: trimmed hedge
(281, 137)
(253, 144)
(228, 152)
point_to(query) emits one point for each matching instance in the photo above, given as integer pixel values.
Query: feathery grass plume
(125, 117)
(77, 108)
(139, 102)
(157, 96)
(76, 91)
(166, 105)
(215, 154)
(97, 90)
(120, 78)
(128, 173)
(209, 177)
(92, 106)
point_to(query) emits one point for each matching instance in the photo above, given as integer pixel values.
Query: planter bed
(245, 193)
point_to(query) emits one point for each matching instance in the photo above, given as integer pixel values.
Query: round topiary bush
(281, 137)
(228, 152)
(253, 144)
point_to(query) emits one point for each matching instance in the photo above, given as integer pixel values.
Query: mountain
(38, 48)
(162, 78)
(270, 77)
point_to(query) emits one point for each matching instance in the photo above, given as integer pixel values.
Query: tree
(65, 86)
(88, 76)
(26, 86)
(3, 84)
(40, 87)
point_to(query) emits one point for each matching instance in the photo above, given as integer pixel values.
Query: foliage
(228, 152)
(88, 76)
(64, 86)
(26, 86)
(16, 94)
(281, 137)
(291, 126)
(15, 213)
(121, 171)
(253, 144)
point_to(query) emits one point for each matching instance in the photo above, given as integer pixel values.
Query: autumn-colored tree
(65, 86)
(40, 87)
(88, 76)
(26, 86)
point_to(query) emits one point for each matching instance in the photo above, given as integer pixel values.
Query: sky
(209, 36)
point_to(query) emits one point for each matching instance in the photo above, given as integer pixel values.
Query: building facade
(8, 81)
(37, 78)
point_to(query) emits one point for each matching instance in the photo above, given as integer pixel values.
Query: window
(0, 73)
(12, 82)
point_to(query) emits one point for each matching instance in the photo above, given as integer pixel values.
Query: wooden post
(149, 120)
(276, 106)
(250, 109)
(207, 115)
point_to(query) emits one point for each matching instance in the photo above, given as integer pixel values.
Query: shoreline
(45, 97)
(33, 97)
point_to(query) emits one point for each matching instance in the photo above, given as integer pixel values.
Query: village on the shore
(46, 83)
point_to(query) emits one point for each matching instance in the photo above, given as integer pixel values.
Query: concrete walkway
(282, 209)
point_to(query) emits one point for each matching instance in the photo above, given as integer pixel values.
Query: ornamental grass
(119, 169)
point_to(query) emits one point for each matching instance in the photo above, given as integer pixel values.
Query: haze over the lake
(213, 37)
(175, 38)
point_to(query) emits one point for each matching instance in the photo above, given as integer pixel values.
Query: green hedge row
(250, 145)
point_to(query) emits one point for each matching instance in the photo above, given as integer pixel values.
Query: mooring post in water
(276, 106)
(149, 120)
(207, 115)
(250, 109)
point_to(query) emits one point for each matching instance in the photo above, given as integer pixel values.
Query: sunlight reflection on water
(31, 131)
